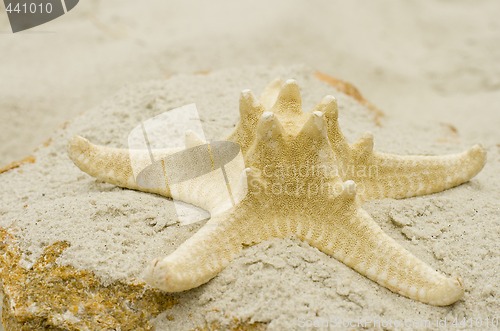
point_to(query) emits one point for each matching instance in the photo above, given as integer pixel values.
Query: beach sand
(432, 67)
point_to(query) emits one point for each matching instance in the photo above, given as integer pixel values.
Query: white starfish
(303, 180)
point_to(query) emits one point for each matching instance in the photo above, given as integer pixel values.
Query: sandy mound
(282, 284)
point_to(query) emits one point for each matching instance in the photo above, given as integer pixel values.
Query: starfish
(302, 179)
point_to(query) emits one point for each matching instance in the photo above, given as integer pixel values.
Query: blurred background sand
(413, 58)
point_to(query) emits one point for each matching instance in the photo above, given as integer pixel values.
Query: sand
(431, 66)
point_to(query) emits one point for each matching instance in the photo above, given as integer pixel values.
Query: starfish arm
(381, 175)
(211, 191)
(208, 191)
(201, 257)
(113, 165)
(361, 244)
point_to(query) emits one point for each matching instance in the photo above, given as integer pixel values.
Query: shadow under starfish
(302, 179)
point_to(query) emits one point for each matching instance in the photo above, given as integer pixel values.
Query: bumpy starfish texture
(304, 180)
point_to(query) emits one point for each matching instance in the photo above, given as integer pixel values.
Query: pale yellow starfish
(303, 180)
